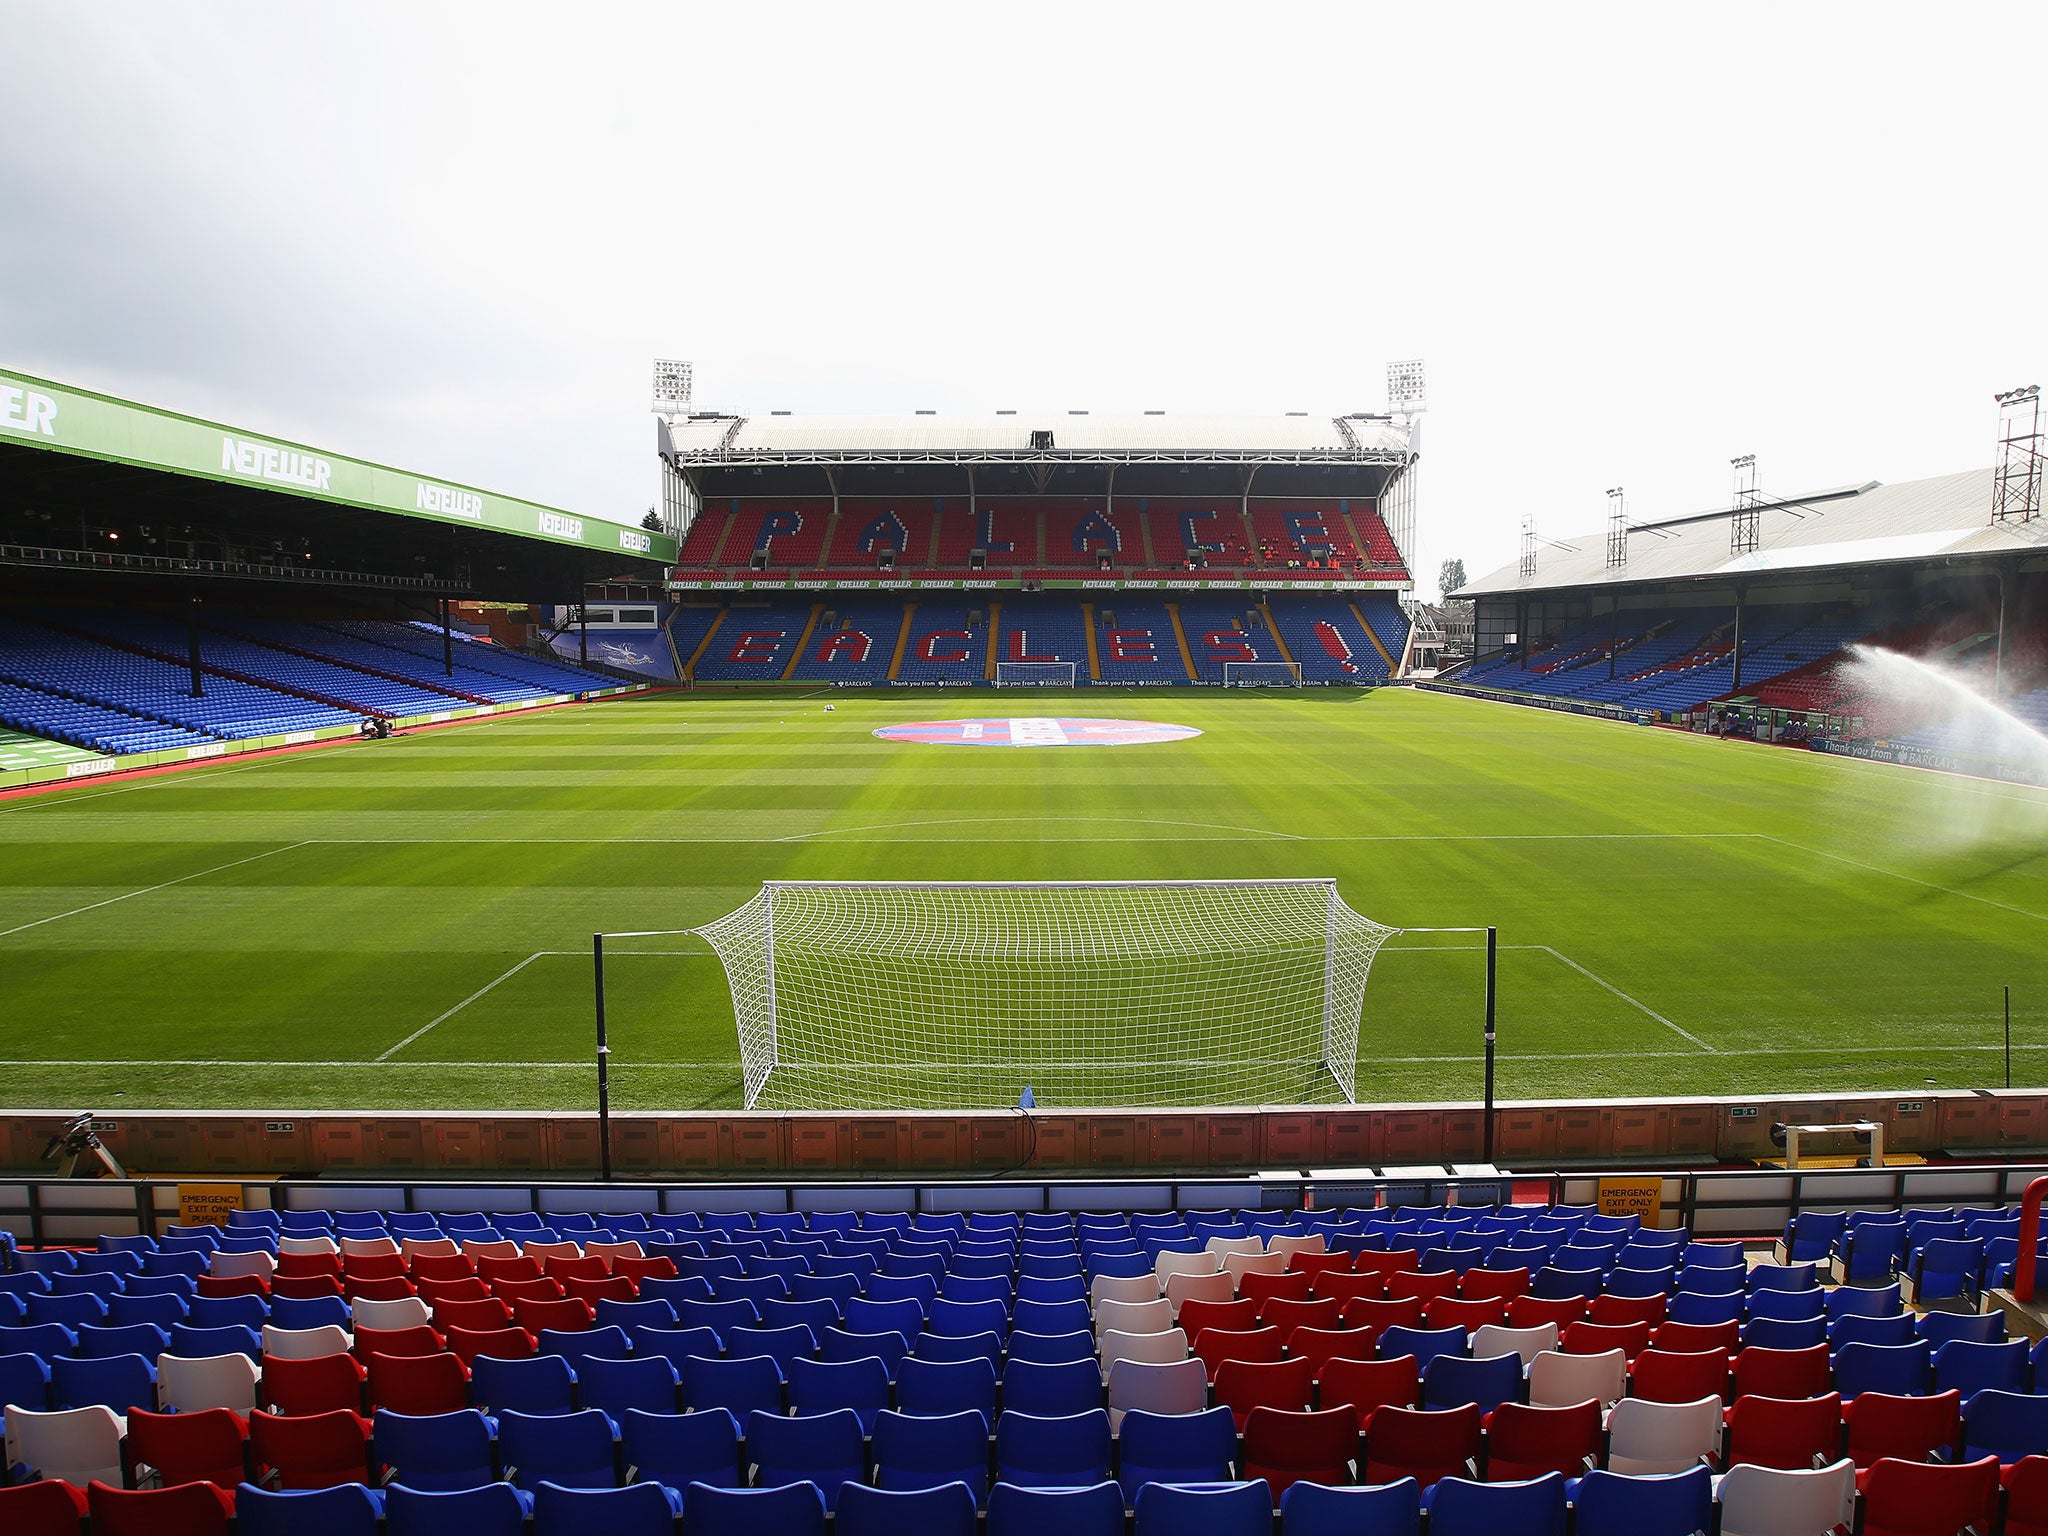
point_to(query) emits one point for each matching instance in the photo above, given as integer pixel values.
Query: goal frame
(1348, 941)
(1290, 669)
(1018, 682)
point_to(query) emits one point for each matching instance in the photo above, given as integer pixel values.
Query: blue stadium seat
(1205, 1509)
(678, 1449)
(122, 1383)
(944, 1511)
(1093, 1511)
(1174, 1448)
(483, 1508)
(435, 1452)
(349, 1509)
(947, 1386)
(1067, 1451)
(1387, 1509)
(576, 1450)
(826, 1449)
(860, 1386)
(1970, 1367)
(1616, 1504)
(643, 1509)
(794, 1509)
(1901, 1370)
(2008, 1425)
(615, 1385)
(738, 1386)
(917, 1452)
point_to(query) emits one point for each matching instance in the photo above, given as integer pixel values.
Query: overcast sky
(1630, 241)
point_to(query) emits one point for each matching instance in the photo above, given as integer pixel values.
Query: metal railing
(1746, 1202)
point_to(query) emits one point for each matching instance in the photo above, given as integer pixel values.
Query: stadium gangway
(1730, 1203)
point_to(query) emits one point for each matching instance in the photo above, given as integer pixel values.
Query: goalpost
(874, 995)
(1034, 674)
(1262, 674)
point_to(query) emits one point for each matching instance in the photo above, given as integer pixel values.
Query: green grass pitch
(406, 924)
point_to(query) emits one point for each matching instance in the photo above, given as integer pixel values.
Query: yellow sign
(207, 1205)
(1632, 1197)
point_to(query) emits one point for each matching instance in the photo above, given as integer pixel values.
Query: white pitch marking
(128, 895)
(538, 954)
(1946, 890)
(1591, 976)
(983, 821)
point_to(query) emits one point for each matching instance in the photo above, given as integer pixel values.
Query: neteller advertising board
(37, 413)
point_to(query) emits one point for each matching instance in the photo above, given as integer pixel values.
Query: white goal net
(1034, 674)
(1262, 674)
(871, 995)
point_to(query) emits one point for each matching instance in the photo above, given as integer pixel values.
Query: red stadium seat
(472, 1315)
(1425, 1444)
(1908, 1428)
(46, 1507)
(1584, 1338)
(465, 1344)
(1242, 1385)
(1535, 1311)
(1918, 1498)
(1287, 1285)
(1425, 1285)
(1213, 1346)
(1763, 1372)
(189, 1509)
(420, 1340)
(1319, 1346)
(1789, 1433)
(524, 1267)
(1690, 1338)
(319, 1450)
(1288, 1315)
(1664, 1377)
(564, 1315)
(1507, 1284)
(419, 1384)
(1195, 1315)
(1470, 1314)
(1348, 1285)
(1286, 1447)
(1524, 1442)
(320, 1384)
(1376, 1317)
(203, 1447)
(1619, 1311)
(1369, 1385)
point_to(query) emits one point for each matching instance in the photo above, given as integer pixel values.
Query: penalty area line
(159, 886)
(489, 986)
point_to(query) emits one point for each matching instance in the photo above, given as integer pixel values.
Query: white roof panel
(1871, 524)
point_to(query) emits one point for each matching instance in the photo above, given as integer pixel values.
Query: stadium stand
(886, 1334)
(118, 680)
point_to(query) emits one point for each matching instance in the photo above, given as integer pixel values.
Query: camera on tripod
(75, 1141)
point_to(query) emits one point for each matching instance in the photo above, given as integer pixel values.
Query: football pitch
(406, 924)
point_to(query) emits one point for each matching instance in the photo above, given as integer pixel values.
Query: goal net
(1034, 674)
(872, 995)
(1262, 674)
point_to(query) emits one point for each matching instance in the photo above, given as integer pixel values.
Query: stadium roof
(38, 416)
(1074, 437)
(1948, 516)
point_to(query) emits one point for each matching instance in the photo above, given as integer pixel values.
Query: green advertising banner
(40, 414)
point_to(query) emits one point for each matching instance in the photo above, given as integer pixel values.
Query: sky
(1629, 242)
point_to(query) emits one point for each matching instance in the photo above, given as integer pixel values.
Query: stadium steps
(214, 669)
(306, 653)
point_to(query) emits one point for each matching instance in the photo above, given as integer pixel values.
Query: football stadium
(926, 964)
(571, 1027)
